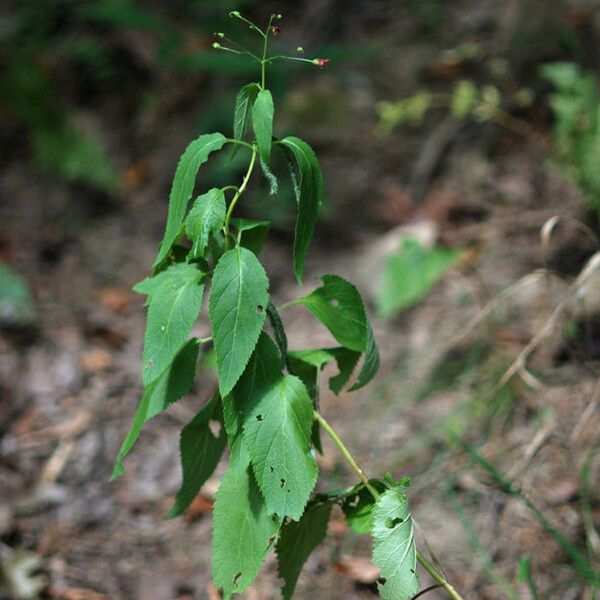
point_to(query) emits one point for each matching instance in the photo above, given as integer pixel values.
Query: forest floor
(492, 378)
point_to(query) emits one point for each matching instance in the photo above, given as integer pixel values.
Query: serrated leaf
(243, 106)
(244, 530)
(173, 383)
(237, 311)
(298, 540)
(262, 123)
(204, 220)
(173, 309)
(338, 305)
(195, 155)
(277, 428)
(252, 234)
(409, 274)
(261, 373)
(394, 549)
(270, 177)
(200, 451)
(308, 187)
(278, 332)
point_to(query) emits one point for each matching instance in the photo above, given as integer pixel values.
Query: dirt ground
(70, 384)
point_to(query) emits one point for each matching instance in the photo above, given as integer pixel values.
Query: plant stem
(237, 195)
(354, 465)
(264, 54)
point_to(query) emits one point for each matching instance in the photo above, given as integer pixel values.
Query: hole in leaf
(259, 308)
(215, 427)
(354, 502)
(381, 580)
(272, 469)
(259, 417)
(149, 364)
(236, 578)
(335, 303)
(281, 482)
(412, 571)
(391, 523)
(272, 539)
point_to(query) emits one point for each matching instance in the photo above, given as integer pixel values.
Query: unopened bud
(320, 62)
(217, 45)
(300, 49)
(220, 35)
(234, 13)
(279, 16)
(276, 31)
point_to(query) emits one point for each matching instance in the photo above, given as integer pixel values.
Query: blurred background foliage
(448, 132)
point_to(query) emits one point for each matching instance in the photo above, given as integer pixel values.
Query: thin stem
(240, 143)
(345, 453)
(437, 577)
(241, 48)
(284, 57)
(350, 460)
(237, 195)
(264, 54)
(230, 187)
(252, 25)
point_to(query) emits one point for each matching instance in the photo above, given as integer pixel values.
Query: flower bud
(320, 62)
(220, 35)
(279, 16)
(234, 13)
(275, 31)
(300, 49)
(216, 45)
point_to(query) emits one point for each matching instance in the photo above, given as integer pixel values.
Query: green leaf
(270, 177)
(298, 540)
(237, 311)
(244, 530)
(204, 220)
(17, 308)
(370, 364)
(394, 549)
(358, 507)
(307, 363)
(262, 372)
(252, 233)
(200, 452)
(410, 274)
(308, 187)
(278, 332)
(338, 305)
(195, 155)
(243, 104)
(277, 429)
(173, 383)
(173, 309)
(262, 122)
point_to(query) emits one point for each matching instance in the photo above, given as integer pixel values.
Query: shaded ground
(69, 387)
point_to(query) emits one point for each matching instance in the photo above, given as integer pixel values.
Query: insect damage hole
(391, 523)
(335, 303)
(237, 578)
(259, 308)
(381, 580)
(259, 417)
(281, 483)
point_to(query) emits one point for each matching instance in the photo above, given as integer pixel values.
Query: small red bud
(321, 62)
(276, 31)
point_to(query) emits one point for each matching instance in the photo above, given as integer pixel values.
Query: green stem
(264, 54)
(240, 143)
(237, 195)
(354, 465)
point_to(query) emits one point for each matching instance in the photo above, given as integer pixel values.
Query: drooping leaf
(244, 530)
(308, 186)
(370, 364)
(338, 305)
(277, 429)
(262, 372)
(243, 105)
(410, 274)
(307, 363)
(262, 123)
(252, 233)
(171, 385)
(200, 448)
(394, 549)
(173, 309)
(195, 155)
(298, 540)
(237, 311)
(204, 220)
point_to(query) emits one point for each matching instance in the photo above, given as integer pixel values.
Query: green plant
(576, 108)
(268, 418)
